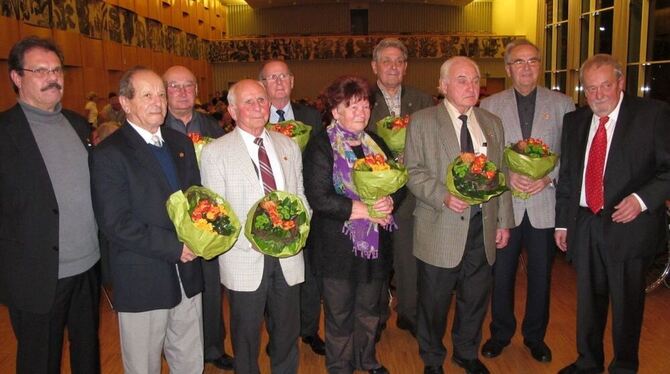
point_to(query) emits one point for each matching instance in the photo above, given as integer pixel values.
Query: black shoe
(539, 351)
(492, 348)
(315, 342)
(573, 369)
(225, 362)
(473, 366)
(433, 370)
(379, 370)
(404, 323)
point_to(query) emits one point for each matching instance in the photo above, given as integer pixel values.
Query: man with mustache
(48, 234)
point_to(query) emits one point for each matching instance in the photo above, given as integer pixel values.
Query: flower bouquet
(393, 130)
(530, 157)
(295, 130)
(375, 177)
(278, 224)
(204, 221)
(474, 179)
(199, 143)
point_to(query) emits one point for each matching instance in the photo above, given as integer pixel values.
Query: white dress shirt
(288, 113)
(478, 140)
(146, 135)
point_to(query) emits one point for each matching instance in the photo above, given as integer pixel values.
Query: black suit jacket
(129, 195)
(309, 116)
(28, 215)
(638, 162)
(411, 100)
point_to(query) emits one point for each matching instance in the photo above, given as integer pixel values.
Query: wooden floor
(398, 351)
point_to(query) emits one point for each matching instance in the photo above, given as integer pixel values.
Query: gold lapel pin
(285, 158)
(546, 115)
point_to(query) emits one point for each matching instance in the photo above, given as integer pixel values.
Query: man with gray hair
(455, 243)
(526, 111)
(392, 98)
(49, 248)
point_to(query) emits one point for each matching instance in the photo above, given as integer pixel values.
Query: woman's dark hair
(345, 89)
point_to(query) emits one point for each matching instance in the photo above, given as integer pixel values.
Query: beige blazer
(431, 145)
(550, 107)
(227, 169)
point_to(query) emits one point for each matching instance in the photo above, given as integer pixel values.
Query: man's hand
(455, 204)
(523, 183)
(502, 237)
(561, 239)
(627, 210)
(187, 255)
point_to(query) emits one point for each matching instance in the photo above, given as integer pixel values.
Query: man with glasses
(526, 111)
(392, 98)
(49, 239)
(278, 82)
(182, 89)
(610, 210)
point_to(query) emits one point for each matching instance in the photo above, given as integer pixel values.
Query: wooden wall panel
(129, 4)
(28, 30)
(7, 99)
(112, 2)
(144, 57)
(73, 89)
(129, 53)
(8, 36)
(154, 9)
(142, 7)
(113, 79)
(70, 44)
(166, 14)
(112, 53)
(94, 56)
(157, 62)
(92, 82)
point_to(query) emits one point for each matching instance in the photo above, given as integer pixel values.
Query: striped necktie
(268, 179)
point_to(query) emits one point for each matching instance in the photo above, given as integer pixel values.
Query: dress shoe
(225, 362)
(573, 369)
(379, 370)
(473, 366)
(433, 370)
(493, 348)
(404, 323)
(539, 351)
(315, 342)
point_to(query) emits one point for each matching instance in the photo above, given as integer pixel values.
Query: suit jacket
(129, 195)
(28, 214)
(550, 107)
(228, 170)
(411, 100)
(309, 116)
(209, 126)
(638, 162)
(440, 233)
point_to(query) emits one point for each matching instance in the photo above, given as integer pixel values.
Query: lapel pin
(181, 154)
(546, 115)
(285, 158)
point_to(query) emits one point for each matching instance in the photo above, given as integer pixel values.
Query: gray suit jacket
(550, 107)
(440, 233)
(227, 169)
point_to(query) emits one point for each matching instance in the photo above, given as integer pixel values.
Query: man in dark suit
(48, 234)
(610, 213)
(157, 279)
(278, 81)
(392, 98)
(182, 89)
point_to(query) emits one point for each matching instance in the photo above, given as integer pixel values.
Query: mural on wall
(64, 15)
(341, 47)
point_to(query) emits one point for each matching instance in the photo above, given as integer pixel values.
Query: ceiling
(354, 4)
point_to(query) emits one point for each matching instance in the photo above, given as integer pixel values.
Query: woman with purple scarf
(350, 251)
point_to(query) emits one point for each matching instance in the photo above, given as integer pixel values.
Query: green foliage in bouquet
(474, 179)
(393, 130)
(295, 130)
(529, 157)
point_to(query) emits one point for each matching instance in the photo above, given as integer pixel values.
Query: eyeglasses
(275, 77)
(604, 87)
(532, 62)
(44, 72)
(188, 87)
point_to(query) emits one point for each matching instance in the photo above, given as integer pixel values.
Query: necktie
(466, 140)
(155, 140)
(595, 168)
(266, 169)
(280, 113)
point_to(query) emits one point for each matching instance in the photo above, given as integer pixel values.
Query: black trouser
(214, 328)
(310, 302)
(540, 250)
(601, 281)
(471, 280)
(40, 336)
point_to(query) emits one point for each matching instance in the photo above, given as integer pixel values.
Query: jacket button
(462, 218)
(55, 248)
(55, 211)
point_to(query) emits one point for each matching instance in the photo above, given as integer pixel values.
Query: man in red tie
(610, 210)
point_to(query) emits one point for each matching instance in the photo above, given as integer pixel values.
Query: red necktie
(596, 167)
(266, 169)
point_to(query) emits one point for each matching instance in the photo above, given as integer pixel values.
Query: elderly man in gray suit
(455, 243)
(231, 167)
(526, 111)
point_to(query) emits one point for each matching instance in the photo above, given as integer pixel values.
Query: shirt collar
(146, 135)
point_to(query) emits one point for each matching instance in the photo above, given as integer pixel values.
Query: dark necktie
(280, 113)
(266, 169)
(595, 168)
(466, 140)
